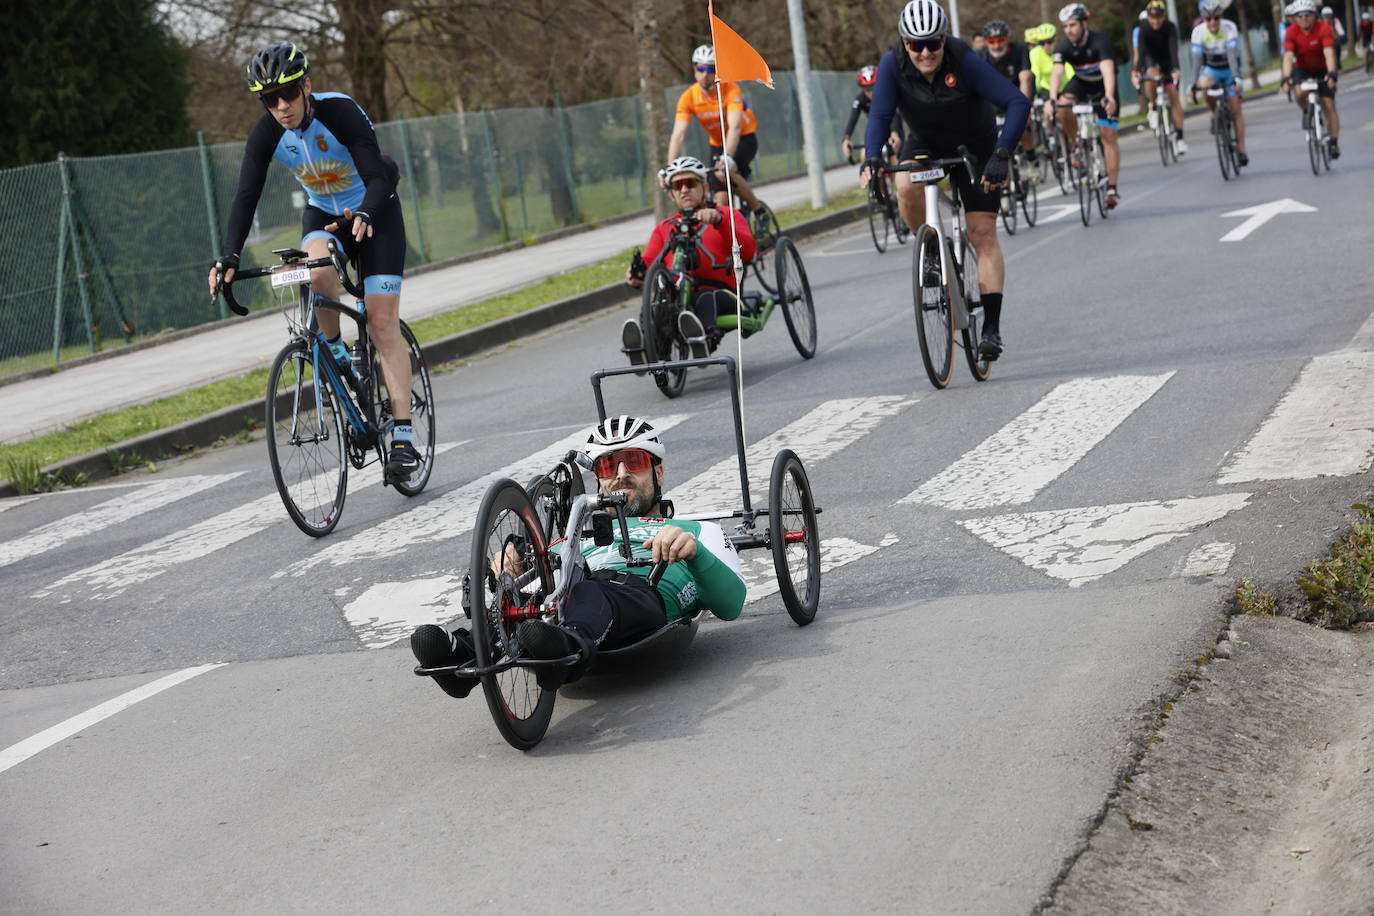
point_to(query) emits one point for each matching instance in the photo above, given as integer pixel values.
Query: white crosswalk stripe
(111, 512)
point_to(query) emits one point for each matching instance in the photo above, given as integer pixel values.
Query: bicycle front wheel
(878, 223)
(658, 321)
(1162, 135)
(421, 412)
(970, 336)
(1221, 126)
(1082, 177)
(934, 324)
(305, 442)
(1006, 205)
(794, 292)
(1315, 141)
(1064, 171)
(1099, 174)
(1030, 202)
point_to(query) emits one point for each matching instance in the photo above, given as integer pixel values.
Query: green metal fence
(108, 250)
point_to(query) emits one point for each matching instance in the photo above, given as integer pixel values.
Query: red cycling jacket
(1307, 46)
(716, 239)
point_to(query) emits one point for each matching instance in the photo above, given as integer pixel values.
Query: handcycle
(1088, 162)
(324, 415)
(1314, 128)
(545, 523)
(764, 226)
(1020, 190)
(944, 272)
(1224, 129)
(669, 290)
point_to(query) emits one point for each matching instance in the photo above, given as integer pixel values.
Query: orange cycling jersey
(695, 102)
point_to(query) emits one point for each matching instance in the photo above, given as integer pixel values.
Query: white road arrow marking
(1261, 214)
(1081, 545)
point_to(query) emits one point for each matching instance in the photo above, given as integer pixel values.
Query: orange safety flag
(735, 58)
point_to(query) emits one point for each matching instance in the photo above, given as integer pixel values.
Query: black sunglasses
(917, 45)
(290, 93)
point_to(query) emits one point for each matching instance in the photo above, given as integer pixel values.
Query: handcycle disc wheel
(305, 442)
(934, 327)
(421, 413)
(794, 291)
(794, 537)
(658, 322)
(766, 233)
(553, 494)
(508, 526)
(969, 336)
(878, 221)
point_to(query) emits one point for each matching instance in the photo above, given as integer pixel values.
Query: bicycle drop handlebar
(335, 259)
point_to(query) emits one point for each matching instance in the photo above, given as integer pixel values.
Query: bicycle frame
(936, 201)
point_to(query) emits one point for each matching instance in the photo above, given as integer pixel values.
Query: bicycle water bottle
(357, 362)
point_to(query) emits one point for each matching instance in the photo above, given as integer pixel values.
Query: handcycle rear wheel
(794, 291)
(878, 221)
(506, 520)
(794, 537)
(305, 442)
(421, 412)
(658, 322)
(766, 231)
(934, 327)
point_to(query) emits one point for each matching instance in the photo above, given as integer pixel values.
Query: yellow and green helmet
(275, 66)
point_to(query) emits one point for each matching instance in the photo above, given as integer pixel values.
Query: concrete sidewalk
(49, 402)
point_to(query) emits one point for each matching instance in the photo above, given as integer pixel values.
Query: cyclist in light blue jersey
(1216, 53)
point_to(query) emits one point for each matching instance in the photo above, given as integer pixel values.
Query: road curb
(230, 421)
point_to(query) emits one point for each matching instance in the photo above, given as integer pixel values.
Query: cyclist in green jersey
(615, 605)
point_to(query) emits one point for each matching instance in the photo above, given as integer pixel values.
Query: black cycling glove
(998, 167)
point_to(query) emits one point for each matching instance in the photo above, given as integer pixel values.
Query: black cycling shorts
(1323, 91)
(381, 259)
(1166, 74)
(975, 199)
(744, 157)
(1094, 91)
(615, 611)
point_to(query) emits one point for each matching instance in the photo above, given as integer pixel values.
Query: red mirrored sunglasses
(634, 459)
(685, 184)
(998, 42)
(290, 93)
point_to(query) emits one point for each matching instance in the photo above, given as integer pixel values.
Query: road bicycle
(1019, 193)
(1314, 128)
(1224, 131)
(1046, 146)
(1089, 162)
(325, 415)
(1161, 119)
(668, 290)
(944, 272)
(884, 219)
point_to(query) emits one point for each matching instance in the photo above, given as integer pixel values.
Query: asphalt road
(1016, 571)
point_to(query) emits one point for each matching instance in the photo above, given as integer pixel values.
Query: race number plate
(1216, 92)
(1308, 86)
(290, 276)
(1083, 109)
(927, 175)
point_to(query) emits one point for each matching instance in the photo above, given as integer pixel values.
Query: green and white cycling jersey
(712, 580)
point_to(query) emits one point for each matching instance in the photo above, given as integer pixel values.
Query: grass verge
(21, 461)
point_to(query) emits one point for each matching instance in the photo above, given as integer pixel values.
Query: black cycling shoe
(1333, 149)
(434, 647)
(990, 347)
(544, 640)
(1243, 159)
(402, 460)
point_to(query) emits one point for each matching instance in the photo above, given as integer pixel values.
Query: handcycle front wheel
(658, 322)
(934, 327)
(794, 537)
(766, 231)
(794, 291)
(305, 442)
(421, 413)
(508, 527)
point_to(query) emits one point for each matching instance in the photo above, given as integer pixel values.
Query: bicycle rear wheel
(878, 222)
(508, 526)
(1064, 171)
(794, 292)
(658, 320)
(1082, 177)
(934, 324)
(1030, 202)
(978, 367)
(1006, 205)
(1221, 128)
(421, 411)
(1099, 173)
(305, 442)
(766, 232)
(899, 226)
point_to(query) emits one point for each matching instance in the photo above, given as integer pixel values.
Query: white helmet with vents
(615, 433)
(922, 19)
(704, 54)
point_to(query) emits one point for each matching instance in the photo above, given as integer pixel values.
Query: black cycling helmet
(275, 66)
(996, 29)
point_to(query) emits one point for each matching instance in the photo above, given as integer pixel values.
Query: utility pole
(954, 18)
(811, 141)
(651, 101)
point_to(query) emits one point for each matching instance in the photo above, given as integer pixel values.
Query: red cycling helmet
(868, 76)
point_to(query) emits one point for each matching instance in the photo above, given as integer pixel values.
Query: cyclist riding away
(1216, 53)
(1309, 52)
(1157, 63)
(1012, 60)
(867, 76)
(1094, 81)
(615, 605)
(328, 143)
(715, 286)
(733, 147)
(946, 94)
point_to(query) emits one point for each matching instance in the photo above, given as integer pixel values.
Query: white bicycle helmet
(1074, 11)
(1144, 16)
(1209, 7)
(1328, 11)
(922, 19)
(704, 54)
(1297, 7)
(615, 433)
(689, 164)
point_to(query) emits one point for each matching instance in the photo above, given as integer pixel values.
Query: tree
(89, 78)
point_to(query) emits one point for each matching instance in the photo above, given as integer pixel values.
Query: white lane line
(14, 502)
(16, 754)
(1323, 426)
(112, 577)
(1208, 560)
(1081, 545)
(823, 431)
(1015, 463)
(446, 516)
(111, 512)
